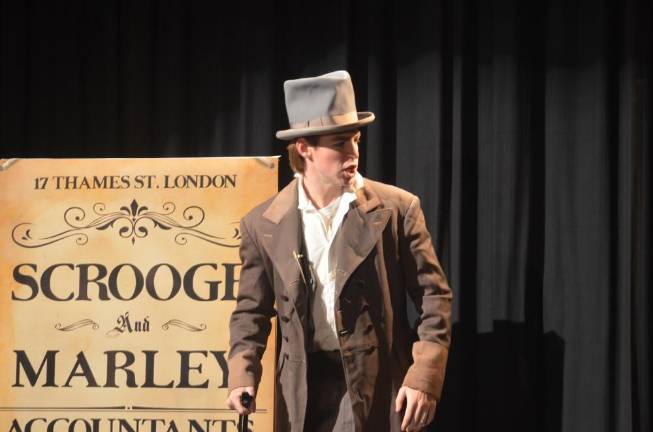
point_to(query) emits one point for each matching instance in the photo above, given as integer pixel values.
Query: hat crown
(313, 98)
(322, 105)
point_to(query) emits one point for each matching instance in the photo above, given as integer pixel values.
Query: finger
(401, 398)
(230, 405)
(424, 418)
(427, 411)
(413, 427)
(409, 414)
(426, 415)
(418, 417)
(431, 415)
(234, 402)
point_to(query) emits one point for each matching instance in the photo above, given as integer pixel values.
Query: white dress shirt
(320, 227)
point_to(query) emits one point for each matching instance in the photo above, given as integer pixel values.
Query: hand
(233, 401)
(420, 408)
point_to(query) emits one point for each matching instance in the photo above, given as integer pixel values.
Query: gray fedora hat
(322, 105)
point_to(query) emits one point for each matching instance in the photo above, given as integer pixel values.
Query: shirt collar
(305, 204)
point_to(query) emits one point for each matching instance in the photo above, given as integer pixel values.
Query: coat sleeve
(249, 326)
(428, 288)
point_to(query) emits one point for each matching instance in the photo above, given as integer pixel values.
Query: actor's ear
(303, 148)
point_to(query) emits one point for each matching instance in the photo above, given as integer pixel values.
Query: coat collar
(288, 199)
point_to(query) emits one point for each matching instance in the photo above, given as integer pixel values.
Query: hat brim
(364, 118)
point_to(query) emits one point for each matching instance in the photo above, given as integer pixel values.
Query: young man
(336, 254)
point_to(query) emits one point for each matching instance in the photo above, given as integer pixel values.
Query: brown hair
(296, 160)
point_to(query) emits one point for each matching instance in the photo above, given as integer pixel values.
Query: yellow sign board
(117, 281)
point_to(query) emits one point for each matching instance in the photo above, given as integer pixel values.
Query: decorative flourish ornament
(77, 325)
(183, 325)
(133, 221)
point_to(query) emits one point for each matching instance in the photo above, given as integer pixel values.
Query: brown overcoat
(384, 252)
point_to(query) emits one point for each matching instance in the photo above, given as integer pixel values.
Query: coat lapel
(358, 234)
(281, 241)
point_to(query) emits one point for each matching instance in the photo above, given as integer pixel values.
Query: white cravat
(320, 227)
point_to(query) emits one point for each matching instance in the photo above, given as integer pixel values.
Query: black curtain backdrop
(525, 127)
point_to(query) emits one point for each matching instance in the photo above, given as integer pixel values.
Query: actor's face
(334, 160)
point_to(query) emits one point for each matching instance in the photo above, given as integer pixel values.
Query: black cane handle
(245, 401)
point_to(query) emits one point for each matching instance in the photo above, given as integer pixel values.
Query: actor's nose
(351, 149)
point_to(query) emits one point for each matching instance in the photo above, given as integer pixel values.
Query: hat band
(334, 120)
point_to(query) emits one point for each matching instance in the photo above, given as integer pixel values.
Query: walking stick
(245, 400)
